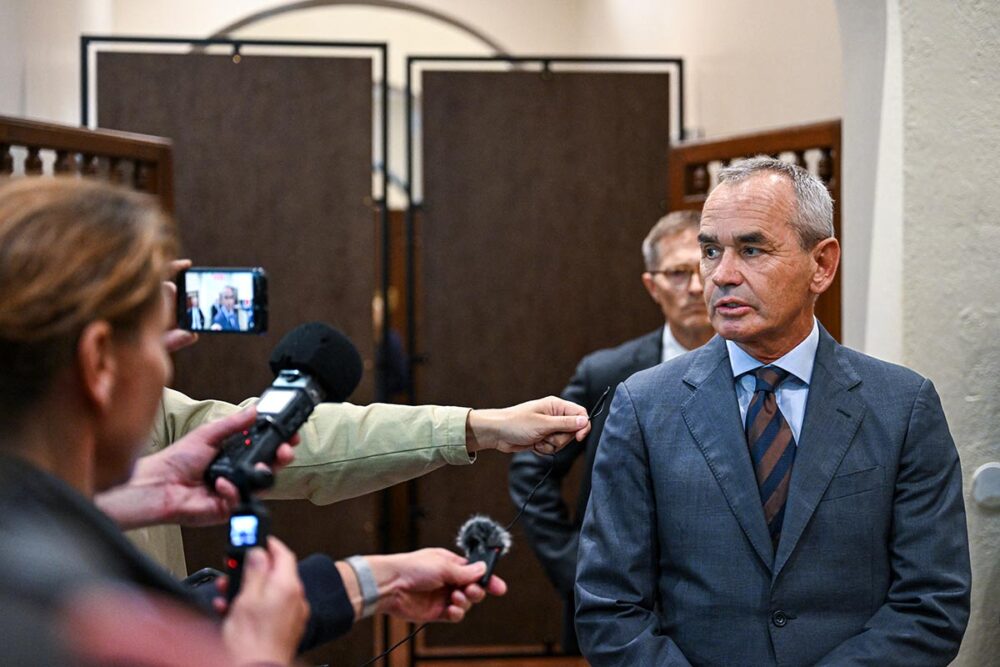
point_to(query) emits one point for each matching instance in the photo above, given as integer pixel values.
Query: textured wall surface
(951, 304)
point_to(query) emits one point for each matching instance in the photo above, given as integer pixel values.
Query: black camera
(283, 408)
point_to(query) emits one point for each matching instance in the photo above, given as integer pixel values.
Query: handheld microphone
(313, 363)
(483, 539)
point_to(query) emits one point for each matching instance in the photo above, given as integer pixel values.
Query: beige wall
(951, 274)
(750, 64)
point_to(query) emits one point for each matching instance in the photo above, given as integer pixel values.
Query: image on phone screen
(243, 530)
(221, 301)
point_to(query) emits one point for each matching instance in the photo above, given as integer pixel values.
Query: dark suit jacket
(552, 531)
(195, 319)
(675, 562)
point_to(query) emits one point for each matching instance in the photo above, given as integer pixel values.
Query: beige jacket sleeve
(345, 451)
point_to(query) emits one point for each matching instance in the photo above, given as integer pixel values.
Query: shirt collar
(669, 347)
(798, 361)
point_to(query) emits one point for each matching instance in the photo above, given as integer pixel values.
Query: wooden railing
(33, 148)
(693, 167)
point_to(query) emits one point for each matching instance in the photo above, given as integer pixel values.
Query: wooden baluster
(141, 176)
(65, 163)
(800, 159)
(88, 165)
(697, 180)
(115, 170)
(33, 163)
(824, 169)
(6, 160)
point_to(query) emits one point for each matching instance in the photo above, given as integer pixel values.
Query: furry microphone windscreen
(481, 532)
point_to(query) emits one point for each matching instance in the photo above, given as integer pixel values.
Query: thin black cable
(597, 410)
(396, 645)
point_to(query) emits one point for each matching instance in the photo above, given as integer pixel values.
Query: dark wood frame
(78, 150)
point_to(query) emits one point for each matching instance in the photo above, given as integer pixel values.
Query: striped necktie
(772, 447)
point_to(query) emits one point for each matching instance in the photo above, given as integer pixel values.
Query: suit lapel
(712, 416)
(833, 415)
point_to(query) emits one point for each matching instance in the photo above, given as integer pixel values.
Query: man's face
(228, 299)
(760, 285)
(677, 288)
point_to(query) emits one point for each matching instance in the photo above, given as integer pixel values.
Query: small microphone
(483, 539)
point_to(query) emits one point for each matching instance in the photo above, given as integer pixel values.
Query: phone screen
(222, 300)
(243, 530)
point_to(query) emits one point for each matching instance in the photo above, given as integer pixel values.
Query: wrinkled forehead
(762, 202)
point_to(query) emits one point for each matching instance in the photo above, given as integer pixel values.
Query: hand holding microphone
(483, 539)
(313, 363)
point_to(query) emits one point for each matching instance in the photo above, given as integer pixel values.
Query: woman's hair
(72, 252)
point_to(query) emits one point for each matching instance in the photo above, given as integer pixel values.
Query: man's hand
(266, 620)
(424, 586)
(169, 486)
(545, 425)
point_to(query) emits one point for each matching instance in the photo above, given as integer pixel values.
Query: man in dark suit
(671, 255)
(195, 318)
(773, 497)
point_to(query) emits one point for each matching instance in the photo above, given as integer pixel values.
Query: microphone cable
(595, 411)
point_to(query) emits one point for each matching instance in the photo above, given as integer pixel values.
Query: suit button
(779, 618)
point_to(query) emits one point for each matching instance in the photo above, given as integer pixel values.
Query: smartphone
(222, 300)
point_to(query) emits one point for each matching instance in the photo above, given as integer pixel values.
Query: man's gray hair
(813, 219)
(668, 225)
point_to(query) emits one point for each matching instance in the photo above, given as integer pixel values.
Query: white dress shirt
(793, 392)
(670, 347)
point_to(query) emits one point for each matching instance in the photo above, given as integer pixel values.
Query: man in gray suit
(671, 255)
(773, 497)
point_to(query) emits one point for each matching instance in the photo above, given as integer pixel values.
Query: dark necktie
(772, 447)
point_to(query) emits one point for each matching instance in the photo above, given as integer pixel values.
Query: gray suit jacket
(675, 564)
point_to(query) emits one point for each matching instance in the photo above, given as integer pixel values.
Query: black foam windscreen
(482, 533)
(324, 353)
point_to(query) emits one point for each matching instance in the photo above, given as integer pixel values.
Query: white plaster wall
(872, 177)
(40, 63)
(951, 275)
(750, 65)
(11, 58)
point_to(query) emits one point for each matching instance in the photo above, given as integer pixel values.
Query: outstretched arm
(422, 586)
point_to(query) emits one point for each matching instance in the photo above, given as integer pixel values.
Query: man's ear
(647, 282)
(826, 256)
(97, 363)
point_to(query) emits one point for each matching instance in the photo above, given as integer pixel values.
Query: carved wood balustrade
(34, 148)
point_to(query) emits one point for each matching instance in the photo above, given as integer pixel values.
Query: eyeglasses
(679, 277)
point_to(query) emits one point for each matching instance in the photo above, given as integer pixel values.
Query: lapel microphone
(483, 539)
